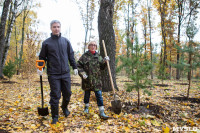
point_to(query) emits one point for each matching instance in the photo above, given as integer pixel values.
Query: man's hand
(106, 58)
(40, 72)
(75, 71)
(84, 76)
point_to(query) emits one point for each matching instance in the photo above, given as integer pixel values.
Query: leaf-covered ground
(165, 109)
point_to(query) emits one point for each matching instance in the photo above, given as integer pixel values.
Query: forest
(157, 82)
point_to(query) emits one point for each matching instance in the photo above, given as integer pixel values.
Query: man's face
(55, 28)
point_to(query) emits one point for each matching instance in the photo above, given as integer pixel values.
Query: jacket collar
(89, 53)
(55, 36)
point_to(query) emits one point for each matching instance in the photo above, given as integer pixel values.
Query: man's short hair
(54, 21)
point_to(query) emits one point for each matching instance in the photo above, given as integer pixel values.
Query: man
(57, 52)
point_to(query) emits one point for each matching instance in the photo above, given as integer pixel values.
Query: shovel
(116, 104)
(42, 111)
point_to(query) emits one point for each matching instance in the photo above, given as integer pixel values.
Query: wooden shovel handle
(109, 71)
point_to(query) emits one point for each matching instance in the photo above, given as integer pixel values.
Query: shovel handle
(41, 85)
(40, 67)
(108, 65)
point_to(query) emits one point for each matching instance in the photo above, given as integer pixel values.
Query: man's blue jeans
(98, 95)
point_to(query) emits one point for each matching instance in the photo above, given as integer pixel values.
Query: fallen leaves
(157, 113)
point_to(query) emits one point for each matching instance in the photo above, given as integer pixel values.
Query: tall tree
(2, 32)
(180, 4)
(87, 15)
(183, 15)
(191, 32)
(150, 32)
(144, 24)
(106, 33)
(27, 6)
(11, 20)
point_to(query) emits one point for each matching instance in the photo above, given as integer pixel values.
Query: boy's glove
(84, 76)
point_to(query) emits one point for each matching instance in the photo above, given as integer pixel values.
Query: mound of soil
(192, 100)
(181, 83)
(162, 85)
(147, 108)
(126, 81)
(3, 131)
(9, 82)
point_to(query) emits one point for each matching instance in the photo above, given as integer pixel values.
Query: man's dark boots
(65, 109)
(54, 114)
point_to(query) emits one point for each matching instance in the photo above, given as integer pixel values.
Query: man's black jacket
(57, 52)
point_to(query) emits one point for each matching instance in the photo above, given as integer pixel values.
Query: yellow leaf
(18, 127)
(11, 109)
(147, 106)
(99, 127)
(96, 116)
(155, 123)
(191, 122)
(165, 130)
(68, 131)
(127, 129)
(135, 125)
(148, 122)
(33, 126)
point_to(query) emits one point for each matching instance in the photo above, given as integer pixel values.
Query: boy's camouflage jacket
(91, 65)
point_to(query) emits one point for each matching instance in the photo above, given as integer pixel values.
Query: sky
(67, 12)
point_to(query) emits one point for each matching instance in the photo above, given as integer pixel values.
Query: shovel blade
(116, 106)
(43, 111)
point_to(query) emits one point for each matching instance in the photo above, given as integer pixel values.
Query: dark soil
(147, 108)
(192, 100)
(196, 81)
(126, 81)
(9, 82)
(42, 81)
(3, 131)
(197, 115)
(162, 85)
(181, 83)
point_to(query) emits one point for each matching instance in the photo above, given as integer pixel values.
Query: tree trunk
(133, 23)
(16, 52)
(127, 35)
(179, 33)
(151, 50)
(2, 32)
(12, 18)
(86, 28)
(190, 70)
(162, 11)
(138, 105)
(23, 34)
(106, 33)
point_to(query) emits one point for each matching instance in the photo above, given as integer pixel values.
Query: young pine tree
(191, 52)
(9, 69)
(138, 67)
